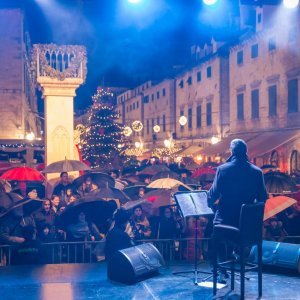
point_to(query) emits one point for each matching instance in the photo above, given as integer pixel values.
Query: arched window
(274, 160)
(294, 162)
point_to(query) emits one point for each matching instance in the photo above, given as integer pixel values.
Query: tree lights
(103, 138)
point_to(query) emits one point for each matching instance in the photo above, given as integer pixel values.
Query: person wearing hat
(237, 182)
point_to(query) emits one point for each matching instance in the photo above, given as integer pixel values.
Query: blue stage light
(291, 3)
(210, 2)
(134, 1)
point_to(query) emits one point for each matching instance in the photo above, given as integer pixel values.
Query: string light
(137, 126)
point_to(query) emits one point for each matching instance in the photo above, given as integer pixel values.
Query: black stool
(248, 233)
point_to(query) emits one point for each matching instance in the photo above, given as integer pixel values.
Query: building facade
(17, 87)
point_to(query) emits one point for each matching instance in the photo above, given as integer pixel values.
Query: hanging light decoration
(156, 128)
(182, 120)
(137, 126)
(127, 131)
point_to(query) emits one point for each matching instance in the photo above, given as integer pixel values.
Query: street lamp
(30, 136)
(167, 143)
(182, 120)
(214, 140)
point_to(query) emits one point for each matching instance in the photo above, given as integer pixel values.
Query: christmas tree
(103, 139)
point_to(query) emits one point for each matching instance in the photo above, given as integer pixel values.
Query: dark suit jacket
(237, 182)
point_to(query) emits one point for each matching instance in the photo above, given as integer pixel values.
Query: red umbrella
(277, 204)
(203, 172)
(23, 174)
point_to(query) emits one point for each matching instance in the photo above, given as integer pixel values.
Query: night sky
(127, 44)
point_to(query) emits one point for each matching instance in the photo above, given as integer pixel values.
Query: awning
(190, 150)
(222, 148)
(268, 141)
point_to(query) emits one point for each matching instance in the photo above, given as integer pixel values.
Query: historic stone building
(264, 90)
(202, 96)
(18, 100)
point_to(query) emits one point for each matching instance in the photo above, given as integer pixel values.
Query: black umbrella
(98, 178)
(279, 183)
(154, 169)
(133, 191)
(112, 193)
(165, 174)
(96, 210)
(8, 201)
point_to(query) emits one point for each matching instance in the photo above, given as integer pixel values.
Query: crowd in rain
(85, 209)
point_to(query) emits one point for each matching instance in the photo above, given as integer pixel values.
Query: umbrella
(154, 169)
(279, 183)
(210, 164)
(133, 191)
(160, 197)
(204, 174)
(5, 186)
(7, 201)
(110, 193)
(66, 165)
(268, 168)
(23, 174)
(277, 204)
(166, 183)
(165, 174)
(96, 210)
(98, 178)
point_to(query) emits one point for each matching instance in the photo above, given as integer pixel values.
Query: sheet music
(193, 203)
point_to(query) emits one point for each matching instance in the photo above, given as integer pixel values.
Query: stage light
(290, 3)
(134, 1)
(210, 2)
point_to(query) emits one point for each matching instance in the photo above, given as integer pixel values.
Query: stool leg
(259, 261)
(232, 274)
(242, 251)
(215, 266)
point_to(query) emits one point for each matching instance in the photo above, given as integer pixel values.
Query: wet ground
(89, 281)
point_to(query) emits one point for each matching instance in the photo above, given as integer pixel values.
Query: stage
(88, 281)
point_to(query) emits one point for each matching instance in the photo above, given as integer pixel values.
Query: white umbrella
(66, 165)
(167, 183)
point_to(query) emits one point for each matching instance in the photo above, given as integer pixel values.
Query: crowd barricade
(89, 252)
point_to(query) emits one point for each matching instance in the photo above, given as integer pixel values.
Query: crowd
(37, 222)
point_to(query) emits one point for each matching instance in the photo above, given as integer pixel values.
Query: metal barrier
(88, 252)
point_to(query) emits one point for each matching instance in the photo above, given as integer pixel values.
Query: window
(127, 109)
(133, 106)
(240, 57)
(208, 114)
(164, 123)
(146, 99)
(137, 103)
(254, 51)
(274, 159)
(152, 123)
(199, 76)
(259, 18)
(157, 95)
(272, 91)
(190, 118)
(189, 81)
(294, 162)
(255, 104)
(148, 127)
(272, 44)
(181, 84)
(164, 92)
(208, 72)
(152, 97)
(199, 116)
(293, 95)
(158, 121)
(130, 107)
(240, 106)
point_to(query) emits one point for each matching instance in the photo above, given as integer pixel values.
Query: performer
(237, 182)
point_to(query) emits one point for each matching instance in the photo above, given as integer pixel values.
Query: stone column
(59, 71)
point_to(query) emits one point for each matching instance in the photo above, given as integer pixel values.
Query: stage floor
(88, 281)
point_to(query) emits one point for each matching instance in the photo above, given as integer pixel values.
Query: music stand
(193, 204)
